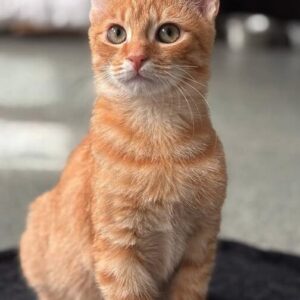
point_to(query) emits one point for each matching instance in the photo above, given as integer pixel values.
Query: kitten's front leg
(193, 276)
(120, 273)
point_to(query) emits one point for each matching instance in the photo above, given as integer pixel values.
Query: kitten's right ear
(98, 6)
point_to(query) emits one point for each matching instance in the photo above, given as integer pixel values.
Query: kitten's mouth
(138, 78)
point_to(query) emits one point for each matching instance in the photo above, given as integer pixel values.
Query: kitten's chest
(163, 239)
(153, 216)
(160, 167)
(153, 181)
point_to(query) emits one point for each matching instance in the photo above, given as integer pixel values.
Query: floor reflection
(33, 145)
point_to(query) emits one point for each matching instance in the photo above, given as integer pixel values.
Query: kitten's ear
(98, 6)
(208, 8)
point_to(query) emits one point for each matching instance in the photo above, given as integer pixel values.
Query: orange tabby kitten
(136, 213)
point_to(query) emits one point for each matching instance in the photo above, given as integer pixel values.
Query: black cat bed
(242, 273)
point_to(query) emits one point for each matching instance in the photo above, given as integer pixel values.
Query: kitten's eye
(116, 34)
(168, 33)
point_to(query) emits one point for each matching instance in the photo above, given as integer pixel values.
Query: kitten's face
(150, 47)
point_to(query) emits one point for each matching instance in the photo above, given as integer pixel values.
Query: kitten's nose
(138, 61)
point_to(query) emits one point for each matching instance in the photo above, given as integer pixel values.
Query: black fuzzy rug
(242, 273)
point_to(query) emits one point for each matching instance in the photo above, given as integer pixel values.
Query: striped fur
(136, 213)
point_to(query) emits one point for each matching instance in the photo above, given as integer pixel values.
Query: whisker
(202, 96)
(190, 109)
(195, 89)
(193, 101)
(186, 100)
(191, 77)
(187, 66)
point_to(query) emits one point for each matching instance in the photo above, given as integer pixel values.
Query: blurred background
(46, 96)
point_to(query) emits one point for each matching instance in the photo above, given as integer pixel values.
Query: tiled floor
(45, 101)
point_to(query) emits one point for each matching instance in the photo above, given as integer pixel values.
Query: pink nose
(137, 61)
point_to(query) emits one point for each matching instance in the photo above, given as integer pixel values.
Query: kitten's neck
(146, 135)
(143, 115)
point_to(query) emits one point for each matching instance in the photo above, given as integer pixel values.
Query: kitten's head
(147, 47)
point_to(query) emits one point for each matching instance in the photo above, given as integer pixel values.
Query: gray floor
(45, 102)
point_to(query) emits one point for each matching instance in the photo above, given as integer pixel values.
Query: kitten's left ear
(209, 8)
